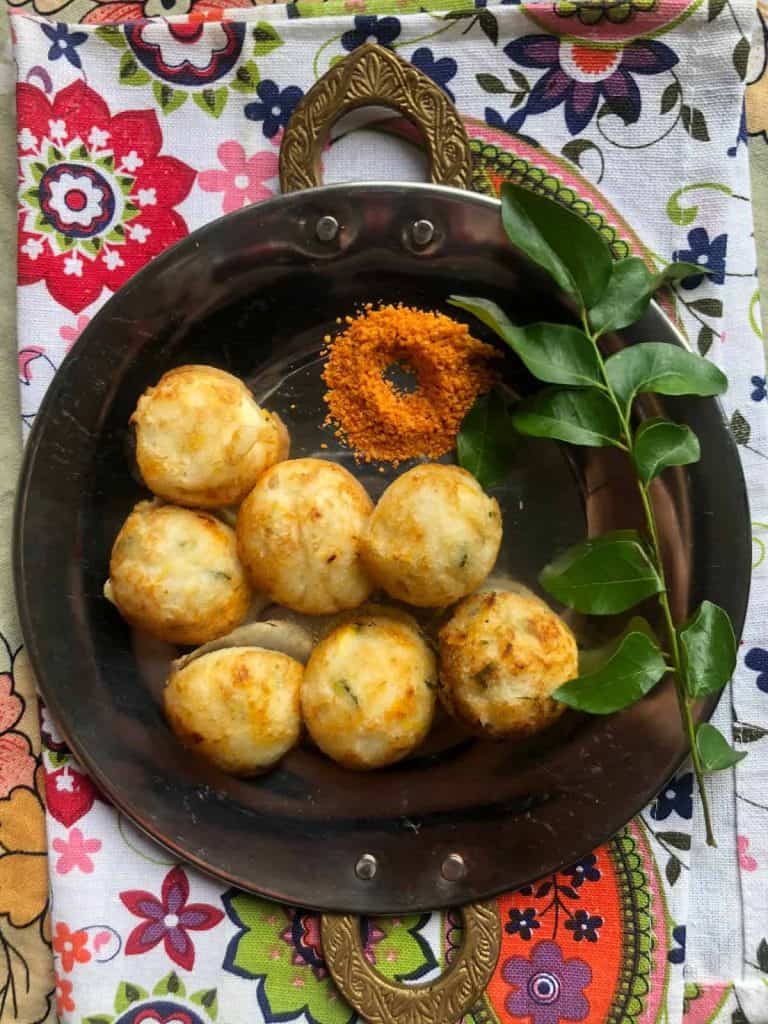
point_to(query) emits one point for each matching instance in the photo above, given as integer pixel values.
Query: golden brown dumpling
(433, 537)
(501, 656)
(238, 708)
(368, 695)
(201, 438)
(175, 573)
(298, 533)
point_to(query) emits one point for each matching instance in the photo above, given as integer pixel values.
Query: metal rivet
(327, 228)
(454, 868)
(366, 867)
(423, 231)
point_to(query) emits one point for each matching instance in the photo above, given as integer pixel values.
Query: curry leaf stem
(683, 699)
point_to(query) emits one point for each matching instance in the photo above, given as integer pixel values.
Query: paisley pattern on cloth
(613, 108)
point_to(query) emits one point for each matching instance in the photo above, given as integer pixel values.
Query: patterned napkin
(131, 135)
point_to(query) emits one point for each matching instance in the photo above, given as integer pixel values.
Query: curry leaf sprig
(590, 402)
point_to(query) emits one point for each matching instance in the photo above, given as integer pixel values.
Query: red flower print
(64, 1001)
(96, 199)
(169, 919)
(69, 794)
(131, 10)
(174, 1015)
(70, 946)
(242, 180)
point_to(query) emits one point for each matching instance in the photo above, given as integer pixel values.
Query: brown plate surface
(254, 293)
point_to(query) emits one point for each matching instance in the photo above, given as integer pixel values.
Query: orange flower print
(71, 946)
(64, 1001)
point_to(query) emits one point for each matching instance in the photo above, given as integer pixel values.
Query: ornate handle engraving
(443, 1001)
(374, 76)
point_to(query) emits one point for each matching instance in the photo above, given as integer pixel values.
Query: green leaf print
(212, 101)
(400, 951)
(171, 984)
(281, 948)
(168, 99)
(113, 35)
(128, 993)
(266, 38)
(246, 77)
(130, 72)
(208, 999)
(264, 949)
(740, 428)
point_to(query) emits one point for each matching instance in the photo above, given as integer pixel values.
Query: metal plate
(254, 293)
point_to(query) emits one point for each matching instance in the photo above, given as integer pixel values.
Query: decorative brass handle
(443, 1001)
(374, 76)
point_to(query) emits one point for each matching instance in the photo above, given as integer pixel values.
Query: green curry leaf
(663, 369)
(559, 241)
(634, 668)
(709, 650)
(659, 443)
(603, 575)
(486, 441)
(715, 751)
(584, 417)
(554, 353)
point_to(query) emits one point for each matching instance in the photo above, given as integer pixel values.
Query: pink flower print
(168, 918)
(17, 765)
(69, 335)
(27, 356)
(242, 180)
(75, 850)
(746, 861)
(11, 705)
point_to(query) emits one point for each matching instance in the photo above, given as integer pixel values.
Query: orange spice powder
(381, 423)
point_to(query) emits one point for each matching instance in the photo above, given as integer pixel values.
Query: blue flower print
(63, 43)
(584, 870)
(709, 254)
(522, 922)
(578, 77)
(584, 926)
(274, 106)
(742, 136)
(677, 955)
(513, 124)
(676, 796)
(440, 71)
(757, 660)
(370, 29)
(758, 385)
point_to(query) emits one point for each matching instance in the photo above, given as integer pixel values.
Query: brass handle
(374, 76)
(443, 1001)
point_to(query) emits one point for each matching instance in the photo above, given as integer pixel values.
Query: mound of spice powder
(382, 422)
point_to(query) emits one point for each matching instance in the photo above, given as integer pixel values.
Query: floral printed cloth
(631, 112)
